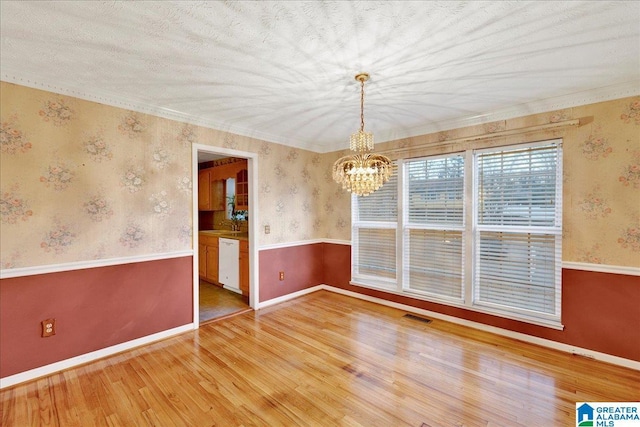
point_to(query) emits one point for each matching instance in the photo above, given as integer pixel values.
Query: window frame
(470, 232)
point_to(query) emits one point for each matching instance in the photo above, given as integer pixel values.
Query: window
(518, 233)
(374, 226)
(480, 229)
(434, 230)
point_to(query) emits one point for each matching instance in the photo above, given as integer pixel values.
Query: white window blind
(436, 190)
(518, 187)
(434, 262)
(374, 227)
(433, 238)
(518, 234)
(480, 230)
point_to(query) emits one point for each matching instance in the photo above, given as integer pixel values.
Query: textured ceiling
(284, 70)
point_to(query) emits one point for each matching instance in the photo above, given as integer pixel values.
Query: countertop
(226, 234)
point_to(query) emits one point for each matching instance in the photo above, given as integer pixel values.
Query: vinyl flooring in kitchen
(216, 302)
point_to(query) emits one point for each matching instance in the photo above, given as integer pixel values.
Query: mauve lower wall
(101, 307)
(303, 267)
(94, 309)
(600, 311)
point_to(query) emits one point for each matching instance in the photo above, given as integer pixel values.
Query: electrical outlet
(282, 275)
(48, 327)
(267, 229)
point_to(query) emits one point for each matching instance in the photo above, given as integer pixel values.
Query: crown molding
(137, 105)
(591, 96)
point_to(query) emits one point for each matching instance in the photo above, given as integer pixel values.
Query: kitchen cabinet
(244, 267)
(211, 196)
(204, 190)
(209, 261)
(208, 258)
(242, 190)
(202, 260)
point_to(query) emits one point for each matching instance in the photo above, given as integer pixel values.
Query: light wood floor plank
(323, 360)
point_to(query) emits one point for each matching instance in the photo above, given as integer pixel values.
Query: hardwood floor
(323, 360)
(216, 302)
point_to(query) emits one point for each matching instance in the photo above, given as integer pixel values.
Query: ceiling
(283, 71)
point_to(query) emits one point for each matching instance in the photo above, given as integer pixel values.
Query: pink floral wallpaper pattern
(81, 180)
(631, 113)
(601, 174)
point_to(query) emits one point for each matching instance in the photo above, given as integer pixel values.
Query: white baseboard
(290, 296)
(90, 357)
(604, 357)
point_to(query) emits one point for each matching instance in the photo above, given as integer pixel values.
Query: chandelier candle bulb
(364, 172)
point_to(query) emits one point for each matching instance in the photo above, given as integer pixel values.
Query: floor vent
(414, 317)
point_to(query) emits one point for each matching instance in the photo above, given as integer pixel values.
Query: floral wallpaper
(601, 168)
(85, 181)
(602, 183)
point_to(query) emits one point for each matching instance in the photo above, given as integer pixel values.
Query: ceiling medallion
(364, 172)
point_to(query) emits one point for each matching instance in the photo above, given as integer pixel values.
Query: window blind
(434, 263)
(433, 242)
(436, 190)
(518, 187)
(481, 230)
(374, 226)
(376, 253)
(518, 233)
(379, 206)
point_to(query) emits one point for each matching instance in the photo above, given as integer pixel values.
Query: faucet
(235, 225)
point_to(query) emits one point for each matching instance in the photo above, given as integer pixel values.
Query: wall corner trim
(90, 357)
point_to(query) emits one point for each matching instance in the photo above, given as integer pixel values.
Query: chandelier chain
(362, 105)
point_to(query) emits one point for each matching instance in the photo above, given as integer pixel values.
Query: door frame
(252, 169)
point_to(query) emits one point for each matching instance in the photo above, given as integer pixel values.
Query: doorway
(215, 302)
(211, 301)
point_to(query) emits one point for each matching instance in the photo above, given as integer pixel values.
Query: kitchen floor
(216, 302)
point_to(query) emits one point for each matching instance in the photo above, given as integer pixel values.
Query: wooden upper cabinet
(204, 190)
(218, 197)
(242, 190)
(211, 195)
(212, 182)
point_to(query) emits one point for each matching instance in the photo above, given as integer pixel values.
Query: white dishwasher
(229, 262)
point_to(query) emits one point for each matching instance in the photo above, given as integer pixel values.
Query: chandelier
(363, 172)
